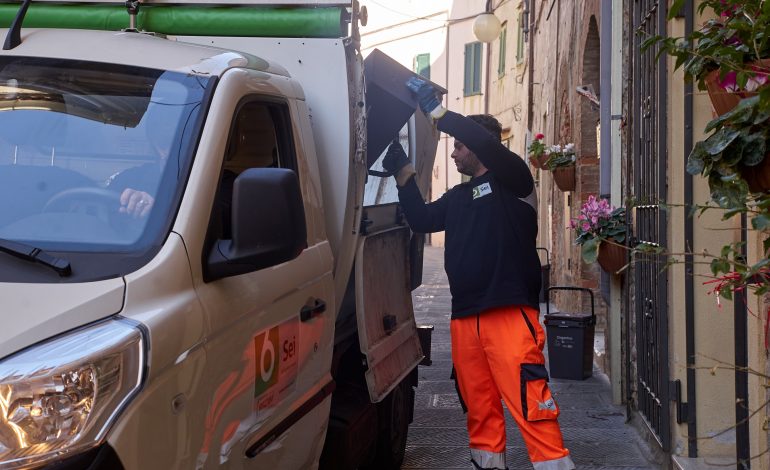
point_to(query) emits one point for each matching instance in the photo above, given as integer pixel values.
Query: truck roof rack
(287, 19)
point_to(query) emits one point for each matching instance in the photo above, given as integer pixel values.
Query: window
(520, 39)
(260, 137)
(472, 85)
(422, 65)
(501, 59)
(256, 138)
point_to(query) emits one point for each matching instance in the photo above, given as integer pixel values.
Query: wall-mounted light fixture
(486, 27)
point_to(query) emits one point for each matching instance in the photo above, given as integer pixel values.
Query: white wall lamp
(486, 27)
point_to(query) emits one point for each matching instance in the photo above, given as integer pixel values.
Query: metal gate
(650, 276)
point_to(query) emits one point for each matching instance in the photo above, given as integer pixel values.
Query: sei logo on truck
(276, 353)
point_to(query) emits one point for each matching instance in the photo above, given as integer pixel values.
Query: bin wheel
(393, 415)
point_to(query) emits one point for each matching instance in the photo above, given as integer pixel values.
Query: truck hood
(33, 312)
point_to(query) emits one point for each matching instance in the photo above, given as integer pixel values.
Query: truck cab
(197, 270)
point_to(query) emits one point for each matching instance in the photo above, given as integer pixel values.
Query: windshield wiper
(30, 253)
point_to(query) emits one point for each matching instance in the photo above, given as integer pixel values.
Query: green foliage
(739, 142)
(559, 160)
(738, 35)
(733, 44)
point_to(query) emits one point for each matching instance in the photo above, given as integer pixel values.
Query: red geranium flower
(539, 136)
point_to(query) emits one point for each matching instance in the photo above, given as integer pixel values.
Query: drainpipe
(605, 101)
(611, 78)
(689, 240)
(530, 72)
(605, 120)
(488, 68)
(740, 306)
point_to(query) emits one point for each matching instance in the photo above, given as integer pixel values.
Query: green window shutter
(422, 65)
(476, 68)
(472, 81)
(501, 59)
(520, 39)
(467, 79)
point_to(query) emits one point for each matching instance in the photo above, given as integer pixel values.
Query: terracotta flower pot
(611, 257)
(539, 161)
(564, 177)
(722, 100)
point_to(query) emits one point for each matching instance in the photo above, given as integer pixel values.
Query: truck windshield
(91, 155)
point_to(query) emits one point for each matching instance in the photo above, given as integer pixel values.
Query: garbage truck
(201, 265)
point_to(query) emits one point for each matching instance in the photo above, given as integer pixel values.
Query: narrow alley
(594, 429)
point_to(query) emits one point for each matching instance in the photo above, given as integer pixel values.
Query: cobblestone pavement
(594, 429)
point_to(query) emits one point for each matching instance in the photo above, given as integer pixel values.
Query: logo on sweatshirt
(482, 190)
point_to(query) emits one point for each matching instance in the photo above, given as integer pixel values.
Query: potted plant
(601, 232)
(729, 56)
(561, 162)
(538, 152)
(732, 157)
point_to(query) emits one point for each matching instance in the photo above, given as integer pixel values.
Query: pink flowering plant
(598, 222)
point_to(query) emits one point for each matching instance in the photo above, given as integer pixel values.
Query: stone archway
(589, 113)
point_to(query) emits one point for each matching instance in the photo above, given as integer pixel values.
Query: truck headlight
(60, 397)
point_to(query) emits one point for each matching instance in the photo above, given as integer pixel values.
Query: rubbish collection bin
(570, 340)
(545, 275)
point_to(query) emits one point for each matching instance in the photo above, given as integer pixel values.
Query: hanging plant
(601, 228)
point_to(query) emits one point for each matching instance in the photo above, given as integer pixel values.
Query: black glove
(395, 158)
(396, 163)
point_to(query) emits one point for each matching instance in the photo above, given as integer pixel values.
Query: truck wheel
(394, 414)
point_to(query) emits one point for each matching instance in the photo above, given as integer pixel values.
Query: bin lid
(569, 319)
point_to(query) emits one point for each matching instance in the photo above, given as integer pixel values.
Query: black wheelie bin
(570, 339)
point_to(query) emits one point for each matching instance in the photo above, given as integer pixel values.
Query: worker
(493, 269)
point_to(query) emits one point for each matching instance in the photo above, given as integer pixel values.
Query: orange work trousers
(499, 354)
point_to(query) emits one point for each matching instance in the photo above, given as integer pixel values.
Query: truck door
(389, 259)
(269, 351)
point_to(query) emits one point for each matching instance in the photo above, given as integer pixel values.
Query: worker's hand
(135, 203)
(397, 163)
(427, 97)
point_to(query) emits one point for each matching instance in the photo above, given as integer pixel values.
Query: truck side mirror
(268, 224)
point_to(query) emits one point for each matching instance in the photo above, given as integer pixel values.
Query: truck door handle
(310, 311)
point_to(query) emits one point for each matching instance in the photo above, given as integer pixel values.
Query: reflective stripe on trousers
(564, 463)
(485, 460)
(488, 351)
